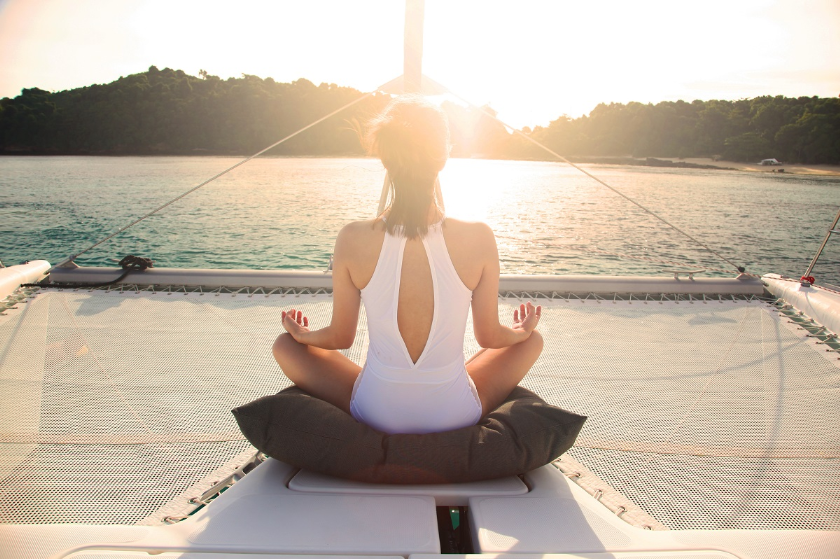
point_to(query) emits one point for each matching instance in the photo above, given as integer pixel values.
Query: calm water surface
(285, 212)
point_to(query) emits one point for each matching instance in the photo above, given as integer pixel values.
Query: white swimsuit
(435, 394)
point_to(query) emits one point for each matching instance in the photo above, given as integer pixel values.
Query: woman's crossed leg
(496, 372)
(330, 376)
(324, 373)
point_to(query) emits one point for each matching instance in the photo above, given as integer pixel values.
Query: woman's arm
(489, 333)
(346, 301)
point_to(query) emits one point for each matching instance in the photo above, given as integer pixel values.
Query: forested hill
(170, 112)
(800, 130)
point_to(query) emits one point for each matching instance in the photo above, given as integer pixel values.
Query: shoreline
(824, 170)
(785, 168)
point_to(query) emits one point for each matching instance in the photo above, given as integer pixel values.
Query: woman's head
(411, 137)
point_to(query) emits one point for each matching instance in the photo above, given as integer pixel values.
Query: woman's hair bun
(411, 137)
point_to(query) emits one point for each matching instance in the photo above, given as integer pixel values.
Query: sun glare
(532, 61)
(573, 56)
(467, 192)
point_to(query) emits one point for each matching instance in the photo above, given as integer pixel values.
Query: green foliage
(170, 112)
(805, 130)
(749, 146)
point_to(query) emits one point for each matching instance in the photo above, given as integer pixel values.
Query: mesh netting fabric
(105, 484)
(710, 415)
(114, 404)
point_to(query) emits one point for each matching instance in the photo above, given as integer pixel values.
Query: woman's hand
(526, 317)
(295, 324)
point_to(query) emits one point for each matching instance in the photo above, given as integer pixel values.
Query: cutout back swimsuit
(394, 395)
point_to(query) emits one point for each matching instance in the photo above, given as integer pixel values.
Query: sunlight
(469, 190)
(59, 45)
(532, 61)
(619, 52)
(285, 41)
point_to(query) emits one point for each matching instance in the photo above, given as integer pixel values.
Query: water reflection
(285, 212)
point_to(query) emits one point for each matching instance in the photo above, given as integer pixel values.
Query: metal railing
(807, 279)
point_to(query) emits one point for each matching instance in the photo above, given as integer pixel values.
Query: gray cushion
(522, 434)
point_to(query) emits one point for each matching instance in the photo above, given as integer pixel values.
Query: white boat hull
(13, 276)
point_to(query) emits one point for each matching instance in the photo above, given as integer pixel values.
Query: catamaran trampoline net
(707, 415)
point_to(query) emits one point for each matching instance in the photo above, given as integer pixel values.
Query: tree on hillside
(170, 112)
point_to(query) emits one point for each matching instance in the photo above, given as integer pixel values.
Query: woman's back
(415, 379)
(466, 245)
(418, 283)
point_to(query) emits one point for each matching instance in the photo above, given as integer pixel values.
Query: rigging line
(657, 260)
(593, 177)
(218, 175)
(623, 255)
(649, 259)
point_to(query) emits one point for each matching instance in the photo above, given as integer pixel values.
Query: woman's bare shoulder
(358, 238)
(360, 231)
(362, 226)
(471, 231)
(471, 244)
(472, 248)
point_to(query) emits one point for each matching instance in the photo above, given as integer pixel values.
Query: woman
(418, 272)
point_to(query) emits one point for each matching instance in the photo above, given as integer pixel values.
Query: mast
(412, 78)
(413, 53)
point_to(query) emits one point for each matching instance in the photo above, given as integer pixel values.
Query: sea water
(284, 213)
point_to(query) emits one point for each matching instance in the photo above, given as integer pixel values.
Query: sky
(530, 60)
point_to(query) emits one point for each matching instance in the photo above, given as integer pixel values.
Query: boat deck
(707, 414)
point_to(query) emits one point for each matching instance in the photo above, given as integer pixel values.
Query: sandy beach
(797, 169)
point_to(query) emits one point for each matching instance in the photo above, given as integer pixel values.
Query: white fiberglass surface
(707, 415)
